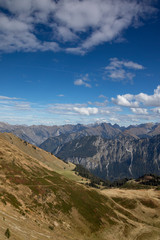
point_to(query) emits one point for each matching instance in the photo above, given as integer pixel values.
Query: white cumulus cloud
(86, 111)
(83, 81)
(129, 100)
(150, 100)
(120, 70)
(41, 25)
(139, 110)
(125, 101)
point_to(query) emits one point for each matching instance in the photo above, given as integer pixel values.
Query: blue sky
(79, 61)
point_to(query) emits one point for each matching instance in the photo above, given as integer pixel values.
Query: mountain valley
(41, 197)
(108, 151)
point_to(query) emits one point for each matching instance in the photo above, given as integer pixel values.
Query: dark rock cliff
(113, 159)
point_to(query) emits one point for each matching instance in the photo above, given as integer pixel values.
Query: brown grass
(39, 203)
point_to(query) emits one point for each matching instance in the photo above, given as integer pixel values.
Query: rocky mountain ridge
(37, 134)
(109, 151)
(104, 130)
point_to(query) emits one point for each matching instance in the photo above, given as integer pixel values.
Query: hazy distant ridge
(37, 134)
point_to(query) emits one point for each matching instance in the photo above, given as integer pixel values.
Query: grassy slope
(145, 205)
(38, 202)
(50, 160)
(34, 190)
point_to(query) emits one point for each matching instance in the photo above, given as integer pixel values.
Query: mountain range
(37, 134)
(108, 151)
(114, 158)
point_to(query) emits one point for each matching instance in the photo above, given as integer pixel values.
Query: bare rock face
(117, 158)
(104, 130)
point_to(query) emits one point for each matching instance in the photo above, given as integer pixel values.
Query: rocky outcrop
(117, 158)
